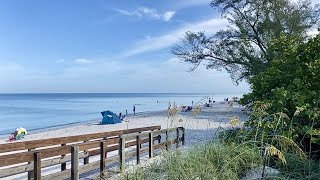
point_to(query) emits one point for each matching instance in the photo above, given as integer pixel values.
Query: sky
(105, 46)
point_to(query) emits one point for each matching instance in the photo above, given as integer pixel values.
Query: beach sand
(200, 127)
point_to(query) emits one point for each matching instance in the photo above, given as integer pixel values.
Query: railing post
(140, 143)
(74, 162)
(30, 173)
(86, 159)
(122, 153)
(138, 149)
(167, 140)
(150, 145)
(159, 136)
(102, 156)
(37, 166)
(183, 136)
(177, 138)
(63, 165)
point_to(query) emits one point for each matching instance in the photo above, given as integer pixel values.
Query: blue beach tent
(109, 118)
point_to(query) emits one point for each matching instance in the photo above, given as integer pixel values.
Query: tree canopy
(290, 85)
(243, 48)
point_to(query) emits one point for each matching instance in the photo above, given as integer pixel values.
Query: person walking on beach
(126, 112)
(134, 110)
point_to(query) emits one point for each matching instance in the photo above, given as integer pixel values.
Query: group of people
(121, 116)
(18, 134)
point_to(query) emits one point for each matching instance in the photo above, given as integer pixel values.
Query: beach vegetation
(213, 160)
(285, 98)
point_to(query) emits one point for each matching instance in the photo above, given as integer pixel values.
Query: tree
(243, 48)
(290, 85)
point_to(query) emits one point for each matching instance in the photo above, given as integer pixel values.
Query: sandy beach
(200, 127)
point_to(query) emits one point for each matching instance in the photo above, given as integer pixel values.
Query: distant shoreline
(61, 126)
(218, 113)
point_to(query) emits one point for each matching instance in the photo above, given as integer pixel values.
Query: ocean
(43, 110)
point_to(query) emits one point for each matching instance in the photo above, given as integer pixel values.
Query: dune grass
(211, 161)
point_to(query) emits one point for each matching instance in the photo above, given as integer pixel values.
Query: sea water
(42, 110)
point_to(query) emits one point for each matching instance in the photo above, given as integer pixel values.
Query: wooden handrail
(83, 149)
(15, 146)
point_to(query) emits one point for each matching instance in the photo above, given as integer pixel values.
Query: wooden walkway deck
(32, 156)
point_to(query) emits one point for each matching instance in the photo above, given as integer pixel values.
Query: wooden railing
(32, 156)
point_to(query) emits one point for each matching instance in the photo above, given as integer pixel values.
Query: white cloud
(128, 13)
(166, 40)
(168, 15)
(149, 13)
(83, 61)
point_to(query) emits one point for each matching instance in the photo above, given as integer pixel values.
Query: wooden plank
(131, 136)
(63, 165)
(102, 156)
(15, 146)
(17, 158)
(30, 173)
(85, 160)
(138, 149)
(37, 166)
(122, 154)
(46, 163)
(11, 159)
(183, 136)
(59, 160)
(159, 136)
(150, 145)
(29, 167)
(74, 162)
(96, 165)
(89, 167)
(177, 137)
(167, 139)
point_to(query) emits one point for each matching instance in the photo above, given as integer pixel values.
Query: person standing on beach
(134, 110)
(126, 112)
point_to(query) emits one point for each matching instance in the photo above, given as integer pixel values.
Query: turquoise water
(36, 111)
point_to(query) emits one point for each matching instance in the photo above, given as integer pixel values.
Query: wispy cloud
(168, 15)
(166, 40)
(149, 13)
(83, 61)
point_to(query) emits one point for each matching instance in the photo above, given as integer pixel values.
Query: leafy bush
(285, 97)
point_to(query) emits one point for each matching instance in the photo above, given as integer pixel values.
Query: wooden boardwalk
(32, 156)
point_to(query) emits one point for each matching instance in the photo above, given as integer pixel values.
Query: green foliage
(299, 168)
(243, 49)
(211, 161)
(291, 86)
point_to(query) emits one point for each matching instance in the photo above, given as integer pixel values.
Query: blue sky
(104, 46)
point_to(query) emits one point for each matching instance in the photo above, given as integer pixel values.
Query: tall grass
(211, 161)
(299, 168)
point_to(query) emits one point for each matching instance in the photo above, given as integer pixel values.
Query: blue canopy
(110, 118)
